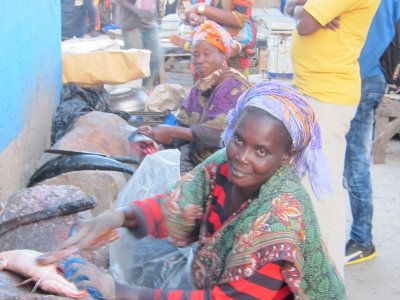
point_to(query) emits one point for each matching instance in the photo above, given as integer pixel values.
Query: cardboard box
(106, 67)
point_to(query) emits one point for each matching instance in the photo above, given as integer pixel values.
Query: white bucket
(279, 63)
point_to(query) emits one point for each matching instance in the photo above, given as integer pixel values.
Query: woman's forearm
(221, 16)
(183, 133)
(130, 217)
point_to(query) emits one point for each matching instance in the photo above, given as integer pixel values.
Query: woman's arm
(215, 14)
(234, 18)
(267, 283)
(165, 134)
(94, 234)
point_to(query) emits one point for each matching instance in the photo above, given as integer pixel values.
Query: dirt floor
(378, 278)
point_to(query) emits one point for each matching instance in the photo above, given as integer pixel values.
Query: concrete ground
(378, 278)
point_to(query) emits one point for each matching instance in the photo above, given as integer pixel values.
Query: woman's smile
(256, 150)
(237, 172)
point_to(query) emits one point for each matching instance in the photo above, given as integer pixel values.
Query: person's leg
(334, 121)
(151, 42)
(358, 156)
(132, 39)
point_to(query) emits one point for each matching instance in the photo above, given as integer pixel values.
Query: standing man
(78, 17)
(326, 44)
(359, 138)
(138, 22)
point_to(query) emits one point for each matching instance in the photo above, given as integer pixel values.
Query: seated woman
(259, 237)
(202, 116)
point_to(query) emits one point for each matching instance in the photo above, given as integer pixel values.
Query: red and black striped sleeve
(267, 284)
(152, 222)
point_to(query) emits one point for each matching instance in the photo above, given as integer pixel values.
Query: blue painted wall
(30, 60)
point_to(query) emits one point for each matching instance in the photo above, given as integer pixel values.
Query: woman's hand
(192, 16)
(177, 40)
(94, 234)
(99, 284)
(161, 134)
(87, 276)
(196, 19)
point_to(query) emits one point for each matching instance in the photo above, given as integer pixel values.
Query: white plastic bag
(150, 262)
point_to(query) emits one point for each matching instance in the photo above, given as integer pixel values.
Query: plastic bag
(149, 262)
(76, 101)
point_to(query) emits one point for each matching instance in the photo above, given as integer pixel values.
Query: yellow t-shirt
(325, 62)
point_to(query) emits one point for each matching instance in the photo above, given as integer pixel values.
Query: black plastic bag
(76, 101)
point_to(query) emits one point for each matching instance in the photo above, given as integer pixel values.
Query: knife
(122, 159)
(57, 211)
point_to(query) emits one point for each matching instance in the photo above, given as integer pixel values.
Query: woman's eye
(237, 138)
(261, 151)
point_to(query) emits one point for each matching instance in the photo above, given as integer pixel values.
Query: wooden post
(387, 124)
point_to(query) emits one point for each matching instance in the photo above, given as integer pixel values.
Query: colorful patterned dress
(269, 249)
(246, 36)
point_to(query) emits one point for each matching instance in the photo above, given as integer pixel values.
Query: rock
(100, 132)
(104, 185)
(45, 235)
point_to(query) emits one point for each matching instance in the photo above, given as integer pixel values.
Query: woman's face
(256, 150)
(206, 58)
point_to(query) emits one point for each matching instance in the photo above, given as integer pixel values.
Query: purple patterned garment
(211, 107)
(206, 107)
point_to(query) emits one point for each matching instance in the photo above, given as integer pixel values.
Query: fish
(142, 145)
(23, 262)
(66, 163)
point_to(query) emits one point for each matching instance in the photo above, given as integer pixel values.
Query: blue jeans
(151, 42)
(146, 39)
(357, 177)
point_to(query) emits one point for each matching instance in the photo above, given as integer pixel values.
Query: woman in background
(202, 116)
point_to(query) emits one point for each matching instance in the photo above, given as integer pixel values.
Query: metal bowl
(128, 99)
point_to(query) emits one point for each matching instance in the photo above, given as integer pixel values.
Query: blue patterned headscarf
(289, 106)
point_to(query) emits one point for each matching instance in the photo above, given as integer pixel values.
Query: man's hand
(291, 4)
(334, 24)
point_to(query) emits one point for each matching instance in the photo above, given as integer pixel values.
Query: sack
(110, 67)
(390, 60)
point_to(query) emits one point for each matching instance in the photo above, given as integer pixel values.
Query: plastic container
(279, 62)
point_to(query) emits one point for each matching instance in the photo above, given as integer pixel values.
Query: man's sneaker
(356, 253)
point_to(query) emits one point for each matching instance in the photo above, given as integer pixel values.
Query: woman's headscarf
(214, 34)
(289, 106)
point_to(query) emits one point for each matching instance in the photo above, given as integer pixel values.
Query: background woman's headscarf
(214, 34)
(289, 106)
